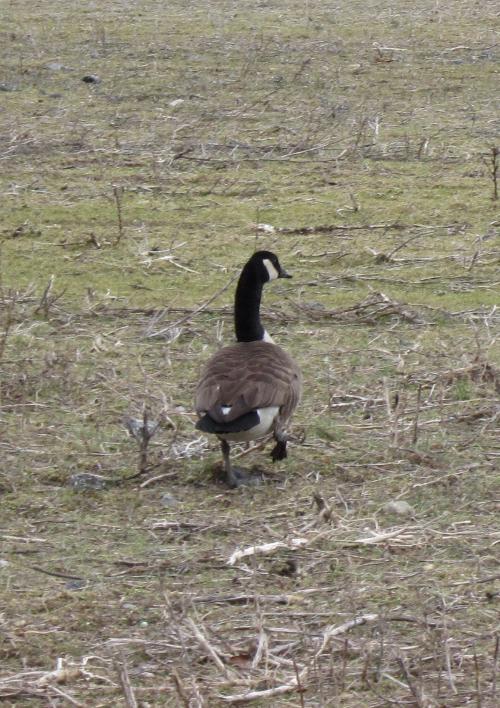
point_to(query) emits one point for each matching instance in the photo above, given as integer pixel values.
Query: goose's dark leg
(225, 449)
(279, 450)
(235, 477)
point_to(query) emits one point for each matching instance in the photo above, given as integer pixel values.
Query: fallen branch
(268, 548)
(297, 682)
(210, 651)
(192, 313)
(128, 691)
(245, 599)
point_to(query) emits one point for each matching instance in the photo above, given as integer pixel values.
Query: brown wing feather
(247, 376)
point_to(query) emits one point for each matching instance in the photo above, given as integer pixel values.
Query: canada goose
(251, 388)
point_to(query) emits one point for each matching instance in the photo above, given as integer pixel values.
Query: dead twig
(411, 684)
(142, 431)
(67, 697)
(47, 300)
(494, 169)
(179, 687)
(191, 313)
(297, 682)
(417, 413)
(210, 651)
(269, 548)
(128, 691)
(117, 194)
(496, 657)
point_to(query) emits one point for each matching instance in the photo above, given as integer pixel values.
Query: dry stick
(23, 539)
(495, 152)
(326, 228)
(417, 413)
(153, 480)
(9, 321)
(66, 696)
(402, 245)
(324, 509)
(411, 683)
(146, 436)
(127, 689)
(386, 699)
(496, 656)
(474, 581)
(477, 680)
(295, 543)
(449, 672)
(268, 548)
(387, 398)
(44, 300)
(300, 688)
(246, 599)
(196, 311)
(205, 644)
(393, 413)
(262, 647)
(260, 695)
(180, 689)
(117, 193)
(54, 573)
(297, 683)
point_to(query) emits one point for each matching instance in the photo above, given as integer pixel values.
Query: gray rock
(85, 481)
(55, 66)
(135, 427)
(401, 508)
(91, 79)
(167, 500)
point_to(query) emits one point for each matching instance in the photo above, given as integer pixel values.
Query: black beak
(283, 274)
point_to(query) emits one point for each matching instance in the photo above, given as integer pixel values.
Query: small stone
(401, 508)
(176, 102)
(168, 500)
(76, 584)
(266, 228)
(55, 66)
(135, 427)
(91, 79)
(85, 481)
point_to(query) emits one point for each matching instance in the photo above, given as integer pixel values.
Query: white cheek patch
(273, 273)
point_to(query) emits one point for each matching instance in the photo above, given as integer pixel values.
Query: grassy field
(357, 142)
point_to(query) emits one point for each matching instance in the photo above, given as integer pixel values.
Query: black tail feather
(245, 422)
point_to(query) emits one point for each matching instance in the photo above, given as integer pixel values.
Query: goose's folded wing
(248, 376)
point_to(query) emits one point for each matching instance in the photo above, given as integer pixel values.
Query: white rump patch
(225, 409)
(273, 273)
(263, 427)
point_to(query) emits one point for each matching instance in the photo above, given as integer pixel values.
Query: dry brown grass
(357, 141)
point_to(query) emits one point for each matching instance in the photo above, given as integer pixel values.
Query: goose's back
(248, 376)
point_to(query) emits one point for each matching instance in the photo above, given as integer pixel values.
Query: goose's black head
(265, 266)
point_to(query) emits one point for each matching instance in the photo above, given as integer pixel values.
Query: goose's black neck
(247, 307)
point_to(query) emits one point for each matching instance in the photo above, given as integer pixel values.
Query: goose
(249, 389)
